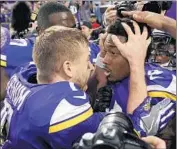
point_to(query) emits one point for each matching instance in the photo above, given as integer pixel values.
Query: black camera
(115, 132)
(125, 6)
(153, 6)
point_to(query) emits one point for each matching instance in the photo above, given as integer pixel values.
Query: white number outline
(19, 42)
(6, 115)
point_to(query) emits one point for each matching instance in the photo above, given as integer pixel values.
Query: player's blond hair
(54, 46)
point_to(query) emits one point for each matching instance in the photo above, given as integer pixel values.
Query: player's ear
(67, 68)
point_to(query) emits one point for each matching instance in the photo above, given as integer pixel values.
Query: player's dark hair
(118, 29)
(21, 16)
(48, 9)
(166, 5)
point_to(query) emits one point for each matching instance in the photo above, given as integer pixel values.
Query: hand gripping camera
(115, 132)
(153, 6)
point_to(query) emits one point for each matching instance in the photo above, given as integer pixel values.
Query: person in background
(85, 11)
(16, 51)
(98, 13)
(21, 18)
(163, 50)
(94, 21)
(53, 13)
(74, 7)
(86, 29)
(55, 16)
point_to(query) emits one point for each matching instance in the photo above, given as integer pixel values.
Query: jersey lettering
(17, 92)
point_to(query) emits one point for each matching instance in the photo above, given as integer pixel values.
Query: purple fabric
(77, 15)
(172, 11)
(5, 25)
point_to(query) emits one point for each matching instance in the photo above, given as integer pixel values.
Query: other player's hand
(155, 142)
(152, 19)
(110, 15)
(135, 49)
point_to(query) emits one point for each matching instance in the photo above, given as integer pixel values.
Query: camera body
(125, 6)
(115, 132)
(153, 6)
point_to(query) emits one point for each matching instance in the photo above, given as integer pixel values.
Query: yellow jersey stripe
(162, 95)
(137, 133)
(3, 63)
(72, 122)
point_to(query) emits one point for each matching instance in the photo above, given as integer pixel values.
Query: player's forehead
(109, 42)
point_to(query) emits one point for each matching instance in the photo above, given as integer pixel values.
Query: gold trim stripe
(162, 95)
(71, 122)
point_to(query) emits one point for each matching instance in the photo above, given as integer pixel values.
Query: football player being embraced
(146, 92)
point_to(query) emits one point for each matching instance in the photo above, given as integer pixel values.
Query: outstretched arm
(154, 20)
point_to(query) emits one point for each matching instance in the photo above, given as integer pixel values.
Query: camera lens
(119, 120)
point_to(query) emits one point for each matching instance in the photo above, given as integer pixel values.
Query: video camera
(115, 132)
(153, 6)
